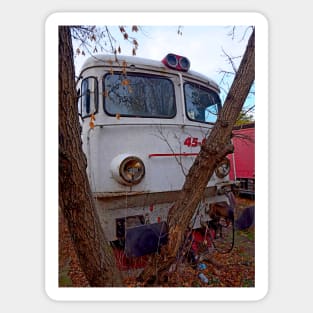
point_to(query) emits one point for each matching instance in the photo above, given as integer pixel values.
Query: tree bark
(75, 197)
(216, 147)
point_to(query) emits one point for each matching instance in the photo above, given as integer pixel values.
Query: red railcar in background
(242, 161)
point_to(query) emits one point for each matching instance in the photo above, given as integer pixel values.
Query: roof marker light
(176, 62)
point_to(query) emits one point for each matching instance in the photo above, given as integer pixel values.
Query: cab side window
(89, 97)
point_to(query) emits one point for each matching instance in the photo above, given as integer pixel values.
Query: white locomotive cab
(143, 123)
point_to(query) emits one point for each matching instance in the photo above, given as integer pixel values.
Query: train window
(138, 95)
(89, 96)
(202, 104)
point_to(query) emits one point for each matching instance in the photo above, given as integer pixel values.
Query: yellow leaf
(92, 119)
(125, 82)
(124, 65)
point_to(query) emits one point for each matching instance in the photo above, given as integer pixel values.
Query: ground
(234, 269)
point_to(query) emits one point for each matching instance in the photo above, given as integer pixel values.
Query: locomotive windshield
(138, 95)
(202, 104)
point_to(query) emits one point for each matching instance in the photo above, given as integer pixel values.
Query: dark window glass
(202, 104)
(139, 95)
(89, 96)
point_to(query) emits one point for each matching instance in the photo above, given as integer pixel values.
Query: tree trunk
(216, 147)
(75, 197)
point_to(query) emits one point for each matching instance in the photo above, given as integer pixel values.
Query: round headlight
(132, 170)
(184, 64)
(223, 168)
(172, 60)
(127, 169)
